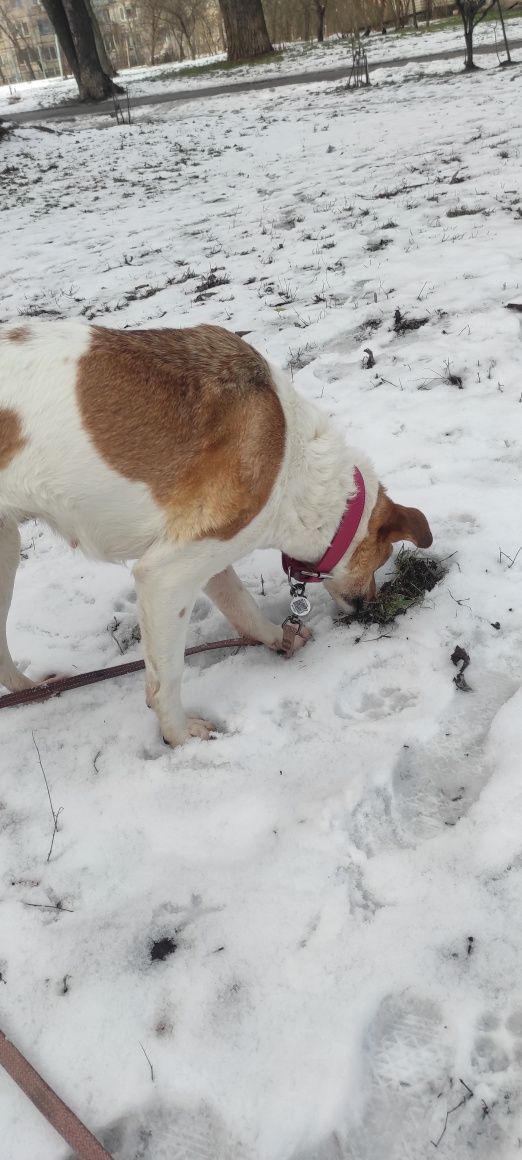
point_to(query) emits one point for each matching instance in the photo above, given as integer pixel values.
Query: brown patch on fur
(18, 334)
(190, 413)
(372, 552)
(11, 439)
(182, 612)
(388, 523)
(404, 523)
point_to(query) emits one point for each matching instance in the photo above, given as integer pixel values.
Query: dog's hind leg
(9, 558)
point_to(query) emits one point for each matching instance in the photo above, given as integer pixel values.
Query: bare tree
(152, 13)
(471, 13)
(245, 29)
(72, 24)
(24, 51)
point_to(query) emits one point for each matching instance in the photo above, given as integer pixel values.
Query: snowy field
(293, 58)
(340, 872)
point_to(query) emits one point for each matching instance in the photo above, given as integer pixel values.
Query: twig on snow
(148, 1061)
(55, 814)
(49, 906)
(512, 559)
(468, 1095)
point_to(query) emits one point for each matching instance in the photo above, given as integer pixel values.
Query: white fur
(60, 478)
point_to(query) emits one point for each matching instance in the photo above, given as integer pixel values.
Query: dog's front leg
(167, 582)
(229, 595)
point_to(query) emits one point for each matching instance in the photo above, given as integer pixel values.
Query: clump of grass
(463, 211)
(415, 575)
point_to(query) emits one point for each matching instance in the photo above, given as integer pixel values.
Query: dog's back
(116, 437)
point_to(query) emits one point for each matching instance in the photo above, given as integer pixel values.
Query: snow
(341, 869)
(292, 58)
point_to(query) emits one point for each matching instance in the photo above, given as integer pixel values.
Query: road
(65, 112)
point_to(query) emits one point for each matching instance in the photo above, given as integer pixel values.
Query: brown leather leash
(61, 1118)
(54, 688)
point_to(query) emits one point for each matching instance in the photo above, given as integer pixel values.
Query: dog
(182, 450)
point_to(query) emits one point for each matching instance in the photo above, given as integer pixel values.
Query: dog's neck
(317, 480)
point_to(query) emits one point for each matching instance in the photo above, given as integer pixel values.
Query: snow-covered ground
(293, 58)
(340, 872)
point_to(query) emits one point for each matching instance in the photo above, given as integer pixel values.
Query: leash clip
(299, 603)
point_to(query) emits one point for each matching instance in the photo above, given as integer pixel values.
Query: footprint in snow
(385, 702)
(408, 1054)
(433, 783)
(161, 1132)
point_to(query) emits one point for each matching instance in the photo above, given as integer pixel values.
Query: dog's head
(354, 581)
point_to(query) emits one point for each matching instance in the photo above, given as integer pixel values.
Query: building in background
(134, 31)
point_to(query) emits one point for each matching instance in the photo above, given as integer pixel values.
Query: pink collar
(305, 573)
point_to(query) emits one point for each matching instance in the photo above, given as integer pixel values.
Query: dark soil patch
(415, 575)
(161, 949)
(402, 325)
(460, 657)
(378, 244)
(367, 328)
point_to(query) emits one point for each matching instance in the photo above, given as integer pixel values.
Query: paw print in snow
(498, 1043)
(385, 702)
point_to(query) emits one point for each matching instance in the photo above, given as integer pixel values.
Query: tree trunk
(414, 14)
(94, 84)
(71, 22)
(56, 14)
(245, 28)
(501, 14)
(469, 63)
(103, 55)
(320, 9)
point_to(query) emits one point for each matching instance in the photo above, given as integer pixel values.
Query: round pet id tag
(300, 606)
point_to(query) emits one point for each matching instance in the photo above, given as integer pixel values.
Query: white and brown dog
(182, 450)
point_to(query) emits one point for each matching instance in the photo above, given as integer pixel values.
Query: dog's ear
(406, 523)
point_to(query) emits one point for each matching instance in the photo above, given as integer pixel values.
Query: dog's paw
(298, 642)
(198, 727)
(195, 727)
(303, 636)
(16, 681)
(52, 678)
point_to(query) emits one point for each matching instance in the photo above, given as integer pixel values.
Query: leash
(61, 1118)
(54, 688)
